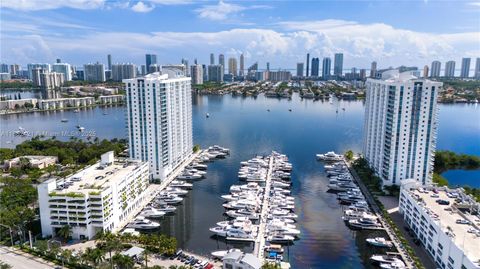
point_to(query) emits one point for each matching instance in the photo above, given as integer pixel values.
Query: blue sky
(393, 33)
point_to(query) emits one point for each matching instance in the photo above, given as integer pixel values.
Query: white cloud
(284, 46)
(51, 4)
(171, 2)
(224, 11)
(141, 7)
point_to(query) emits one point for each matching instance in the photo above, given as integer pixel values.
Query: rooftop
(96, 177)
(465, 236)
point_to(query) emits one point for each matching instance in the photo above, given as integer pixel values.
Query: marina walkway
(154, 189)
(389, 230)
(260, 240)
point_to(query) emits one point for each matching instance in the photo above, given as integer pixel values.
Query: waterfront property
(14, 104)
(446, 221)
(159, 119)
(401, 126)
(39, 162)
(97, 198)
(60, 103)
(111, 99)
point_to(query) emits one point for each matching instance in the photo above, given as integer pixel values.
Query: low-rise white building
(60, 103)
(111, 99)
(446, 221)
(240, 260)
(97, 198)
(35, 161)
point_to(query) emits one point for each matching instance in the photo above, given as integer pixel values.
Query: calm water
(246, 127)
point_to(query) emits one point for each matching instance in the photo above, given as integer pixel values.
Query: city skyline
(42, 33)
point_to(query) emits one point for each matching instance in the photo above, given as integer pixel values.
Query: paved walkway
(21, 260)
(260, 241)
(396, 242)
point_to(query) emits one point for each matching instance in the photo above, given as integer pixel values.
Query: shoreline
(59, 109)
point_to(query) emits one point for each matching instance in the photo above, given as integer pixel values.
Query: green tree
(123, 261)
(269, 265)
(349, 155)
(196, 148)
(65, 232)
(5, 265)
(93, 256)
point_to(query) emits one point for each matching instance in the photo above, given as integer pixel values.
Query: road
(20, 260)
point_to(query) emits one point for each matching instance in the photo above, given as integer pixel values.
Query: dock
(260, 240)
(154, 189)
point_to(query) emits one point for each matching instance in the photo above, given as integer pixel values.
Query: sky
(393, 33)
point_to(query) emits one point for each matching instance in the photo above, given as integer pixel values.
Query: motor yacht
(181, 184)
(242, 213)
(198, 166)
(189, 176)
(364, 224)
(165, 207)
(387, 259)
(141, 223)
(329, 156)
(151, 212)
(274, 248)
(176, 191)
(238, 233)
(380, 242)
(221, 253)
(280, 238)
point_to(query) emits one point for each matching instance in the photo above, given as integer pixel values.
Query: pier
(260, 240)
(154, 189)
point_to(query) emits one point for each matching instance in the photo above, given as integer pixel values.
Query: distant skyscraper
(109, 60)
(63, 68)
(159, 120)
(268, 66)
(232, 66)
(450, 69)
(94, 72)
(315, 67)
(187, 69)
(205, 72)
(308, 65)
(373, 69)
(30, 67)
(196, 73)
(215, 73)
(35, 76)
(280, 76)
(425, 71)
(59, 60)
(401, 126)
(465, 71)
(338, 65)
(143, 70)
(435, 70)
(326, 68)
(150, 59)
(4, 68)
(477, 69)
(363, 74)
(212, 59)
(221, 61)
(123, 71)
(15, 69)
(242, 65)
(299, 69)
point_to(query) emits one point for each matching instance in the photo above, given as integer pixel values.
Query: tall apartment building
(373, 69)
(94, 72)
(315, 67)
(14, 69)
(242, 65)
(51, 80)
(30, 67)
(96, 199)
(212, 59)
(280, 75)
(307, 74)
(326, 68)
(450, 69)
(400, 126)
(445, 221)
(109, 61)
(159, 120)
(123, 71)
(232, 66)
(215, 73)
(35, 76)
(221, 61)
(465, 70)
(196, 73)
(299, 69)
(425, 71)
(150, 59)
(4, 68)
(477, 69)
(338, 65)
(435, 70)
(63, 68)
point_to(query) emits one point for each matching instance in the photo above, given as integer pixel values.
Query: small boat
(64, 120)
(329, 156)
(151, 212)
(80, 128)
(207, 115)
(221, 253)
(379, 242)
(21, 132)
(274, 248)
(386, 260)
(290, 110)
(131, 231)
(141, 223)
(280, 238)
(181, 184)
(76, 111)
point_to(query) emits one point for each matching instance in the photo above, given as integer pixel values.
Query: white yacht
(221, 253)
(176, 191)
(238, 233)
(379, 242)
(387, 259)
(189, 176)
(364, 224)
(151, 212)
(181, 184)
(280, 238)
(329, 156)
(242, 213)
(166, 208)
(141, 223)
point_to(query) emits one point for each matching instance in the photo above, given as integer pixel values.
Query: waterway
(247, 127)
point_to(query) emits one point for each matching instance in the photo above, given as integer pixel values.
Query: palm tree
(66, 256)
(111, 243)
(146, 252)
(94, 256)
(65, 232)
(123, 261)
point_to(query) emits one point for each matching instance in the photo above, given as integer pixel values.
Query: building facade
(465, 70)
(299, 69)
(196, 73)
(401, 126)
(30, 67)
(373, 69)
(63, 68)
(94, 72)
(242, 65)
(450, 69)
(215, 73)
(338, 65)
(232, 66)
(96, 199)
(159, 120)
(435, 70)
(326, 68)
(445, 229)
(150, 59)
(123, 71)
(315, 67)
